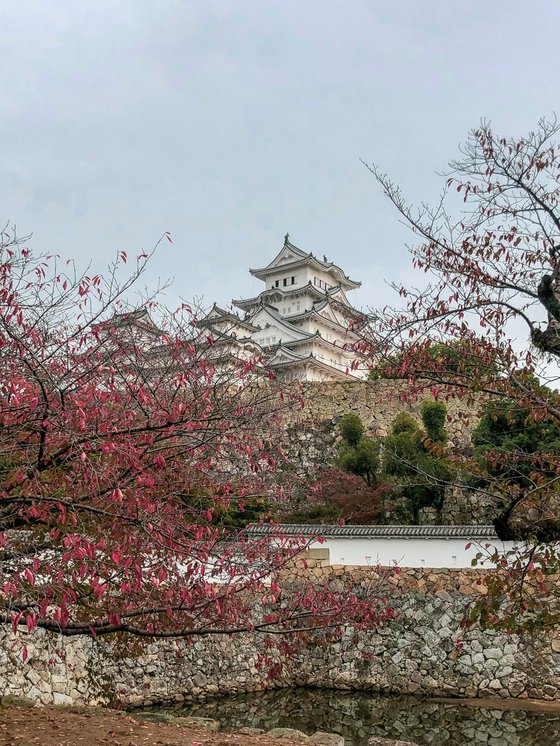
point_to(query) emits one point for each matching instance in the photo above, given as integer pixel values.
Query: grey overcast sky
(230, 122)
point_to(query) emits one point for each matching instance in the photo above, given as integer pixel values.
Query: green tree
(414, 458)
(455, 361)
(351, 428)
(357, 454)
(490, 247)
(434, 417)
(516, 454)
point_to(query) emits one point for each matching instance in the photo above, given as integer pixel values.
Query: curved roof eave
(273, 313)
(248, 302)
(324, 342)
(343, 279)
(314, 314)
(223, 315)
(314, 362)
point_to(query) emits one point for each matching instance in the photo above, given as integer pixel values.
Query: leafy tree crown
(351, 428)
(434, 416)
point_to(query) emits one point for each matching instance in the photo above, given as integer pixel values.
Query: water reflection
(359, 715)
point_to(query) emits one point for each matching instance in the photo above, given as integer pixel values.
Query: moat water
(359, 715)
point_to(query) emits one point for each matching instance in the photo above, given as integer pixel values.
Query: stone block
(288, 733)
(493, 653)
(199, 679)
(59, 699)
(507, 660)
(33, 694)
(327, 739)
(504, 672)
(33, 676)
(515, 688)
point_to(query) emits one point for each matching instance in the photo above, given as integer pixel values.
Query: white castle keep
(302, 324)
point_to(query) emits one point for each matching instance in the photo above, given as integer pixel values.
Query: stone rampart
(377, 403)
(313, 435)
(423, 651)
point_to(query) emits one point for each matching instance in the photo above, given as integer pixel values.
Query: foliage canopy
(489, 265)
(414, 460)
(357, 454)
(129, 455)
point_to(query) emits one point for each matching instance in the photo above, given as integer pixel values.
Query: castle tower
(302, 319)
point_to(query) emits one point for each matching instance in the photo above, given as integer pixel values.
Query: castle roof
(245, 304)
(285, 357)
(329, 320)
(217, 315)
(138, 320)
(290, 257)
(335, 293)
(282, 321)
(317, 337)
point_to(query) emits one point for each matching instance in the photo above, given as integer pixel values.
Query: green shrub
(351, 428)
(418, 472)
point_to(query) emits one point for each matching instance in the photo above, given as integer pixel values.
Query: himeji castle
(302, 322)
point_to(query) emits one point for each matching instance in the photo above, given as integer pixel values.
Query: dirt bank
(53, 726)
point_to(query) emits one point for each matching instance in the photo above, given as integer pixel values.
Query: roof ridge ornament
(286, 239)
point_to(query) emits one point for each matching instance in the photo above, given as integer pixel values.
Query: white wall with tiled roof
(406, 552)
(403, 546)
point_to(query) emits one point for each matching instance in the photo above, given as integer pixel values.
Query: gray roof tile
(385, 532)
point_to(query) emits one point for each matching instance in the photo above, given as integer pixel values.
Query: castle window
(293, 280)
(277, 284)
(285, 281)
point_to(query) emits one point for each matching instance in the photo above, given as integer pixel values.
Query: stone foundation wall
(423, 651)
(377, 403)
(313, 430)
(313, 436)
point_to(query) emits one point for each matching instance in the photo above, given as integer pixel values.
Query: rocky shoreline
(91, 726)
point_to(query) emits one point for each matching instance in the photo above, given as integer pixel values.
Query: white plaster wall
(413, 552)
(307, 274)
(284, 273)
